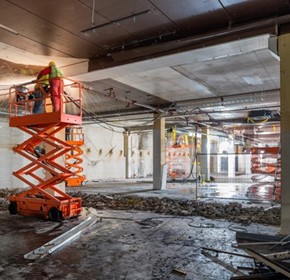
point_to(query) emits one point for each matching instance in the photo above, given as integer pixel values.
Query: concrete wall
(10, 161)
(141, 154)
(103, 154)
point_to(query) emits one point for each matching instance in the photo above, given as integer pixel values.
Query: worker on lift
(21, 92)
(55, 82)
(38, 94)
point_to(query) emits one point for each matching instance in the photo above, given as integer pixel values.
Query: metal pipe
(115, 21)
(190, 42)
(273, 95)
(206, 102)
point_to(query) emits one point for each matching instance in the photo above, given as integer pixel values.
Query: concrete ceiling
(206, 61)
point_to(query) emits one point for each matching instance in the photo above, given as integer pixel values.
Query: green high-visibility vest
(55, 72)
(43, 80)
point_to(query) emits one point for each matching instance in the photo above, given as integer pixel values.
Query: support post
(127, 155)
(158, 152)
(284, 46)
(231, 159)
(205, 158)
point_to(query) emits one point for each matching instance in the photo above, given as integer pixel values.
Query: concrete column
(231, 159)
(127, 154)
(284, 47)
(214, 160)
(205, 150)
(158, 152)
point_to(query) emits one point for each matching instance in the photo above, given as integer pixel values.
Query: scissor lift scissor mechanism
(44, 149)
(73, 159)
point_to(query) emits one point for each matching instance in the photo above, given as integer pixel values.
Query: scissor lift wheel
(54, 214)
(13, 208)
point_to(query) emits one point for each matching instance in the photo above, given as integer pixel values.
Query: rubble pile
(232, 211)
(3, 204)
(4, 194)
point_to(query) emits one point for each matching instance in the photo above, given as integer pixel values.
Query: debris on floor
(58, 242)
(240, 212)
(271, 255)
(155, 238)
(232, 211)
(126, 244)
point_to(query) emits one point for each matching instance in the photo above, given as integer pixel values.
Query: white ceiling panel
(252, 72)
(167, 84)
(181, 58)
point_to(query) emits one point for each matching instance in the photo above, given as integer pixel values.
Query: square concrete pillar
(284, 53)
(205, 151)
(127, 154)
(159, 154)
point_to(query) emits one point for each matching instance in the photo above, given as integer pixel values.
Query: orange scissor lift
(73, 159)
(43, 198)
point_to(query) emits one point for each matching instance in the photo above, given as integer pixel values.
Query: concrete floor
(251, 193)
(124, 245)
(132, 245)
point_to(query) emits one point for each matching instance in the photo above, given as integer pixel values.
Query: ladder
(44, 150)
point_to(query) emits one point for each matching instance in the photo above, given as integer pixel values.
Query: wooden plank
(260, 276)
(278, 267)
(258, 237)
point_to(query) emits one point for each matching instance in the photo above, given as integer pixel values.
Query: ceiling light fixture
(9, 29)
(115, 21)
(260, 115)
(253, 80)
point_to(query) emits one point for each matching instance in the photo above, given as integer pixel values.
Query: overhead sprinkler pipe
(9, 29)
(116, 21)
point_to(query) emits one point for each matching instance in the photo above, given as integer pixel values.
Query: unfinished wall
(10, 161)
(103, 153)
(141, 154)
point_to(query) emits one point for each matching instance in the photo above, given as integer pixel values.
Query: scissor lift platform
(43, 198)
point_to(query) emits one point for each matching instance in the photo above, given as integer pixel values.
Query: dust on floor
(127, 245)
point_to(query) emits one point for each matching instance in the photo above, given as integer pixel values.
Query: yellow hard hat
(52, 63)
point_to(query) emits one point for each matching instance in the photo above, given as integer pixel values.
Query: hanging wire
(97, 102)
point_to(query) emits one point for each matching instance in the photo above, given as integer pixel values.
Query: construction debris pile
(271, 255)
(4, 194)
(232, 211)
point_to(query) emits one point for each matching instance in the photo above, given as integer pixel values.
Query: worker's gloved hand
(31, 96)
